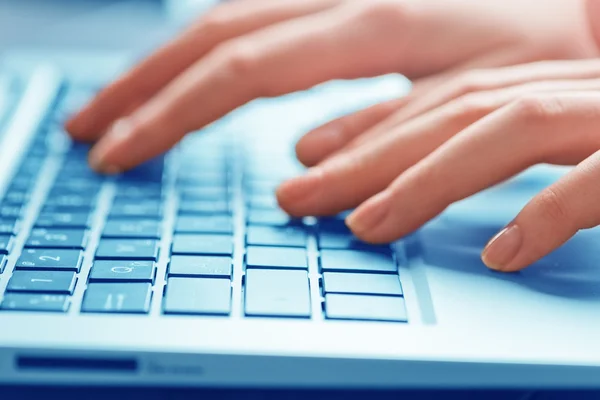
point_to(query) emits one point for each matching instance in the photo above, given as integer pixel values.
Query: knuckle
(213, 22)
(238, 58)
(551, 206)
(537, 108)
(472, 106)
(384, 12)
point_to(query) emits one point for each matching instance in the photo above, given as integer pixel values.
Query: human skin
(483, 108)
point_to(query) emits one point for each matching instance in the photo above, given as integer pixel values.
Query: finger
(350, 177)
(546, 128)
(548, 220)
(319, 143)
(283, 58)
(463, 83)
(146, 79)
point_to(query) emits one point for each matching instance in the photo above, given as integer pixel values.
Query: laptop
(184, 272)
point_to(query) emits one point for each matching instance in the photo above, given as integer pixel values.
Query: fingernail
(118, 132)
(502, 248)
(299, 188)
(371, 214)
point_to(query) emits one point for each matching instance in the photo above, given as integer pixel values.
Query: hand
(258, 48)
(477, 131)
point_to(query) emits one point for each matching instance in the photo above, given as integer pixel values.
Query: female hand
(256, 48)
(478, 130)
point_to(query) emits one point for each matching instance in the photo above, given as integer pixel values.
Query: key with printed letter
(63, 220)
(127, 249)
(277, 293)
(209, 266)
(148, 209)
(42, 282)
(57, 238)
(132, 228)
(122, 271)
(198, 296)
(6, 243)
(35, 302)
(202, 244)
(54, 259)
(204, 224)
(117, 298)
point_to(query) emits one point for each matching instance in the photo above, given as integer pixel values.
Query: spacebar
(277, 293)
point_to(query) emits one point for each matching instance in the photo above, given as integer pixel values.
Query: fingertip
(367, 220)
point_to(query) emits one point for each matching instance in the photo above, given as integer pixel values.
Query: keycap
(276, 257)
(63, 220)
(70, 201)
(270, 217)
(42, 282)
(117, 298)
(16, 197)
(289, 236)
(359, 307)
(198, 296)
(149, 171)
(8, 226)
(122, 271)
(263, 202)
(10, 210)
(202, 244)
(204, 224)
(138, 209)
(350, 283)
(127, 249)
(128, 190)
(200, 207)
(50, 259)
(344, 240)
(357, 261)
(204, 193)
(208, 266)
(132, 228)
(6, 243)
(35, 302)
(57, 238)
(81, 184)
(277, 293)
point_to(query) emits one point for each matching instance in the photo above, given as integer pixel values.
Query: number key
(50, 259)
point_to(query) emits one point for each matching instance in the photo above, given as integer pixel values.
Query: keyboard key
(57, 238)
(198, 296)
(117, 298)
(384, 284)
(35, 302)
(127, 249)
(344, 240)
(357, 261)
(6, 243)
(149, 171)
(200, 207)
(206, 224)
(276, 236)
(132, 228)
(122, 271)
(263, 203)
(8, 226)
(277, 293)
(79, 184)
(42, 282)
(276, 257)
(372, 308)
(16, 197)
(204, 193)
(127, 190)
(63, 220)
(10, 210)
(151, 209)
(203, 244)
(70, 201)
(270, 217)
(209, 266)
(50, 259)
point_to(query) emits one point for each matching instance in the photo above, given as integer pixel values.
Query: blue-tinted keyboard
(196, 232)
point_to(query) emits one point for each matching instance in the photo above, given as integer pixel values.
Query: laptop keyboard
(196, 232)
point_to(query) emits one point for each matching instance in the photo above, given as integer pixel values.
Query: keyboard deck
(196, 232)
